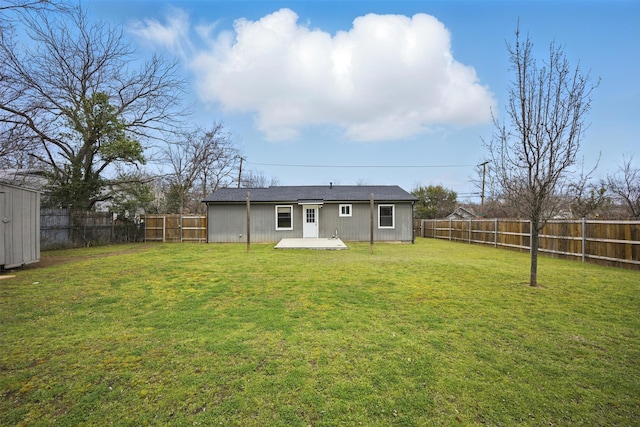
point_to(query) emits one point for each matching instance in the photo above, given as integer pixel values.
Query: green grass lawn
(435, 333)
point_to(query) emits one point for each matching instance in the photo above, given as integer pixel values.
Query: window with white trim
(344, 210)
(386, 216)
(284, 217)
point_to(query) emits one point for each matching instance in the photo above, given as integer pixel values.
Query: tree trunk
(533, 277)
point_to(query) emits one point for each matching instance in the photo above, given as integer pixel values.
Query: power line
(282, 165)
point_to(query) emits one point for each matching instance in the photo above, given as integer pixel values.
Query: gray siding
(357, 227)
(227, 223)
(19, 226)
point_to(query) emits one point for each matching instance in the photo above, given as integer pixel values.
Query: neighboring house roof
(25, 178)
(17, 186)
(462, 213)
(312, 194)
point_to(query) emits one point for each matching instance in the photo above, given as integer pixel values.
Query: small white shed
(19, 226)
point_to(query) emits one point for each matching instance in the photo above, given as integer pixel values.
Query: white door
(310, 222)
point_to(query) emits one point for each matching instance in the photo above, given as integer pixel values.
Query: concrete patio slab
(322, 244)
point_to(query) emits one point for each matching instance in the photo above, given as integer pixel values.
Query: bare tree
(14, 143)
(78, 90)
(625, 185)
(533, 155)
(492, 203)
(586, 198)
(201, 162)
(15, 148)
(222, 167)
(252, 179)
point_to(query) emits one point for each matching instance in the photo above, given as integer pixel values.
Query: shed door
(3, 228)
(310, 222)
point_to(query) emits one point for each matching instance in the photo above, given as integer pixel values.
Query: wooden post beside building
(248, 221)
(371, 228)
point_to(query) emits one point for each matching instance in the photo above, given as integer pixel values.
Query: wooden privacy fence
(602, 242)
(70, 228)
(175, 228)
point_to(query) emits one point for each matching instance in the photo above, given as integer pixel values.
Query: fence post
(584, 240)
(248, 200)
(371, 207)
(469, 230)
(495, 233)
(450, 229)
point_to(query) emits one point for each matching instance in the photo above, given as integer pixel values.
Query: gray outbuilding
(19, 226)
(285, 212)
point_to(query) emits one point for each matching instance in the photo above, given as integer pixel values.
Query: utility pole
(240, 173)
(484, 172)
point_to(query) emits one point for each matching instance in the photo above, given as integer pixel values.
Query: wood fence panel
(458, 232)
(173, 232)
(55, 228)
(441, 229)
(175, 228)
(67, 228)
(562, 238)
(594, 232)
(194, 228)
(483, 231)
(615, 243)
(153, 228)
(92, 227)
(513, 234)
(632, 234)
(612, 233)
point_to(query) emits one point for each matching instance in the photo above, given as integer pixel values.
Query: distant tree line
(617, 196)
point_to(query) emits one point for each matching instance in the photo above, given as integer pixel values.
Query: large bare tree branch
(79, 89)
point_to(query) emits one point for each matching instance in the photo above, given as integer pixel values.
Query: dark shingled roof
(319, 193)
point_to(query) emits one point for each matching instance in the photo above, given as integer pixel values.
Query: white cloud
(388, 77)
(174, 36)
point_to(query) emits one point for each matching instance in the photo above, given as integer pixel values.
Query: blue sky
(383, 92)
